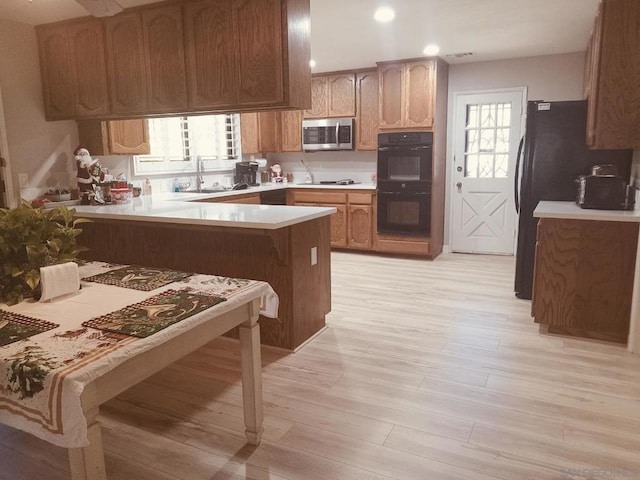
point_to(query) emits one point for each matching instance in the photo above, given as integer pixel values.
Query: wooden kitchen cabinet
(337, 222)
(267, 132)
(73, 69)
(115, 137)
(583, 277)
(367, 111)
(291, 131)
(163, 37)
(126, 64)
(247, 54)
(332, 96)
(145, 59)
(360, 226)
(612, 85)
(407, 94)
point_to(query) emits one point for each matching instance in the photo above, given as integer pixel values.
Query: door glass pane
(487, 140)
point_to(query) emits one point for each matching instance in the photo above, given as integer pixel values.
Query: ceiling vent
(460, 55)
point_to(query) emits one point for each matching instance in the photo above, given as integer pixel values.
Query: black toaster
(605, 192)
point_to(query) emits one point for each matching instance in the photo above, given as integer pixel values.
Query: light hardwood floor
(427, 370)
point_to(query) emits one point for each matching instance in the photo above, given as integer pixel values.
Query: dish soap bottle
(176, 186)
(146, 187)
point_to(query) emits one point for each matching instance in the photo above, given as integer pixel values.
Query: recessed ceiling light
(384, 14)
(431, 50)
(312, 63)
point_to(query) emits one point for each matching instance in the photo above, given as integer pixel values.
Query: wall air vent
(460, 55)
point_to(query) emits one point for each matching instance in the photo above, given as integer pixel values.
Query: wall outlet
(314, 255)
(23, 180)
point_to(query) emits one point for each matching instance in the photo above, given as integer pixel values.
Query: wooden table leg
(252, 375)
(87, 463)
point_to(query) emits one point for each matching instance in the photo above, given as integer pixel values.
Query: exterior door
(486, 134)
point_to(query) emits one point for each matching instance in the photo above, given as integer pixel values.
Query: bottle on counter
(176, 185)
(146, 187)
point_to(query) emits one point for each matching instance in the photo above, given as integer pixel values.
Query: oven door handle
(405, 194)
(405, 148)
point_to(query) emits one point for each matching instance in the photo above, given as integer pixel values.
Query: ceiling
(344, 34)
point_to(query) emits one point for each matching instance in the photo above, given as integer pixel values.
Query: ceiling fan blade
(101, 8)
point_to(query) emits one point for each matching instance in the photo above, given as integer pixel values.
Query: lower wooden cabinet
(115, 137)
(583, 277)
(246, 199)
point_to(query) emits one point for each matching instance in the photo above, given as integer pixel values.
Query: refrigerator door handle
(516, 190)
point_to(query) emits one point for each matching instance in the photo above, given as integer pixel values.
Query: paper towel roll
(58, 280)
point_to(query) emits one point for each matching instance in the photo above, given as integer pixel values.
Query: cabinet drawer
(320, 197)
(360, 198)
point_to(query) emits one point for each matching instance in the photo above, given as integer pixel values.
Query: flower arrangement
(31, 238)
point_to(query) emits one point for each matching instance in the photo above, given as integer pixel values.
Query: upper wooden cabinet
(291, 131)
(115, 137)
(268, 132)
(181, 57)
(73, 69)
(332, 96)
(612, 85)
(247, 53)
(407, 94)
(126, 64)
(367, 110)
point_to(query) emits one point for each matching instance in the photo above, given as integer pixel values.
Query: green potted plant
(31, 238)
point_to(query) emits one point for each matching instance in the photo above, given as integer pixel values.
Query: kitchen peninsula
(288, 247)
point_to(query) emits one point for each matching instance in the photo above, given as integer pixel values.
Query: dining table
(61, 359)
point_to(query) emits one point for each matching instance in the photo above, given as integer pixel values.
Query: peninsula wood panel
(165, 58)
(338, 222)
(614, 86)
(583, 276)
(126, 64)
(367, 111)
(279, 257)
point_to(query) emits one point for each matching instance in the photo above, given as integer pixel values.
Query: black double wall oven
(404, 183)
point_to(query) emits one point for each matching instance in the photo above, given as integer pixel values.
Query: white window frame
(186, 161)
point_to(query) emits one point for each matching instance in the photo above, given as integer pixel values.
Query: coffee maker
(246, 173)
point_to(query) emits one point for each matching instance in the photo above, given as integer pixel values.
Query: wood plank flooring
(427, 370)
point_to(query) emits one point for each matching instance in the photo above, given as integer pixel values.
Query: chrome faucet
(199, 172)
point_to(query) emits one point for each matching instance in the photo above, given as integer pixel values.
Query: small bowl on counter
(121, 196)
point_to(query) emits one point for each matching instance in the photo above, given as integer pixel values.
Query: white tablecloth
(42, 377)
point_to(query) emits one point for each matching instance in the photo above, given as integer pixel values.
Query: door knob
(459, 185)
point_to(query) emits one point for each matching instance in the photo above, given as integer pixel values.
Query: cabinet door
(126, 64)
(58, 74)
(342, 95)
(129, 137)
(73, 69)
(257, 33)
(212, 73)
(249, 133)
(614, 112)
(319, 98)
(164, 55)
(291, 131)
(269, 131)
(419, 94)
(87, 46)
(367, 108)
(390, 107)
(338, 225)
(360, 226)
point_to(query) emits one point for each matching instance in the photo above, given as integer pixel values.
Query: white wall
(43, 150)
(551, 78)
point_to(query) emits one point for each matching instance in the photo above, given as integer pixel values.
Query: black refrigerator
(552, 154)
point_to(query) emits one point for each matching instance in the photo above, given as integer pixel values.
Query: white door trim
(9, 197)
(451, 142)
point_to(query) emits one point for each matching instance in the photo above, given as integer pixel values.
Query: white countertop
(570, 210)
(182, 208)
(155, 209)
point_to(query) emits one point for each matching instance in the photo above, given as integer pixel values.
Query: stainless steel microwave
(328, 134)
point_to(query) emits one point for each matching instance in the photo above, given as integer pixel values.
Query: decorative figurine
(276, 172)
(89, 170)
